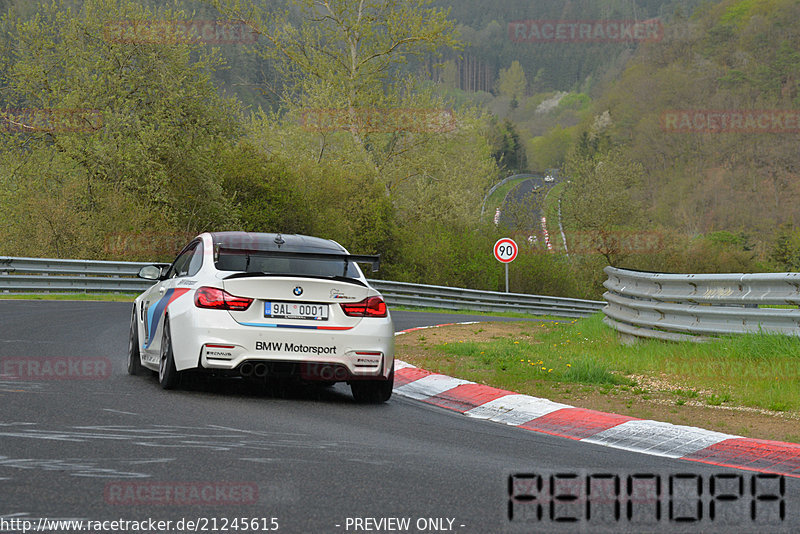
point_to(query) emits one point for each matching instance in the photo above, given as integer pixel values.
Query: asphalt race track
(115, 447)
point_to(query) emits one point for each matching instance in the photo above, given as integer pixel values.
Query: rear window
(255, 261)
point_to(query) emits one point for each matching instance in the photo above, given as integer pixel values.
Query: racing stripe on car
(599, 428)
(298, 326)
(155, 313)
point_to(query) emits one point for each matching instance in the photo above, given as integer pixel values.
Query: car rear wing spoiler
(375, 260)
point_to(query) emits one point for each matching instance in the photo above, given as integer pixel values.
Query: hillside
(738, 172)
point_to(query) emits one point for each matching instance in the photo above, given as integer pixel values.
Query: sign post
(505, 251)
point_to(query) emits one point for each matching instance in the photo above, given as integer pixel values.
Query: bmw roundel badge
(297, 291)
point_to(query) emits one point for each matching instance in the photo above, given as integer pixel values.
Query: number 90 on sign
(505, 250)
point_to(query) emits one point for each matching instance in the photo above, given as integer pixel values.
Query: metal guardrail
(450, 298)
(56, 275)
(695, 307)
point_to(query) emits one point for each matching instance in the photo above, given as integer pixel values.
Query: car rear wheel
(134, 358)
(373, 391)
(168, 376)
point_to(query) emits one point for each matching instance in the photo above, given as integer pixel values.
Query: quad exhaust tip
(327, 372)
(260, 370)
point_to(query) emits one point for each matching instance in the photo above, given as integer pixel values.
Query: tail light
(369, 307)
(219, 299)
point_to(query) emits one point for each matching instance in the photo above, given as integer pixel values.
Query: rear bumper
(213, 340)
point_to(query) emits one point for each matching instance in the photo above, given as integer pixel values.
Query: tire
(134, 357)
(168, 376)
(373, 391)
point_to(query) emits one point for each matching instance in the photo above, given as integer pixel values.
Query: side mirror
(150, 272)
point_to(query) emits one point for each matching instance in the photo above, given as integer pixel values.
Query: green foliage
(550, 150)
(703, 182)
(512, 81)
(331, 187)
(143, 150)
(261, 187)
(174, 154)
(507, 149)
(598, 198)
(741, 11)
(576, 101)
(786, 249)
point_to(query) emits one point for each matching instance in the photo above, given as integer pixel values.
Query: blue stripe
(154, 314)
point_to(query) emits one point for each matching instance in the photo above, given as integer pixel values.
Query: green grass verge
(757, 370)
(109, 297)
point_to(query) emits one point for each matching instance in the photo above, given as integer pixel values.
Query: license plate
(296, 310)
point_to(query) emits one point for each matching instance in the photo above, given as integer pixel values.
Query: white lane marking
(54, 436)
(78, 467)
(151, 461)
(119, 411)
(429, 386)
(262, 433)
(29, 341)
(515, 409)
(661, 439)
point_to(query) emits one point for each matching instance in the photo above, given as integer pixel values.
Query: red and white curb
(611, 430)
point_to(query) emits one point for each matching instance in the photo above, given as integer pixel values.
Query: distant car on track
(263, 306)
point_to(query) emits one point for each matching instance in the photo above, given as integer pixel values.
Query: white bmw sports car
(264, 306)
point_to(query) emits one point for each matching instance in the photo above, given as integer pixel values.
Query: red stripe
(756, 454)
(409, 374)
(177, 292)
(467, 396)
(575, 423)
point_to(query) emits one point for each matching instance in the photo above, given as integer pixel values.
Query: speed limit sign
(505, 250)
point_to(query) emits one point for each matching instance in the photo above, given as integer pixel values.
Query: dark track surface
(521, 194)
(314, 455)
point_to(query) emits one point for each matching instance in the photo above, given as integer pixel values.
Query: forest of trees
(139, 144)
